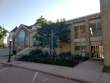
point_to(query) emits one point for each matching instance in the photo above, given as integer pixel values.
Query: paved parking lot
(17, 75)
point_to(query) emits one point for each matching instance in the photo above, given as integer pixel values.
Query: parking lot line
(35, 75)
(4, 69)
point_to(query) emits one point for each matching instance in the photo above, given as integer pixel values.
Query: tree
(62, 31)
(3, 33)
(41, 21)
(51, 32)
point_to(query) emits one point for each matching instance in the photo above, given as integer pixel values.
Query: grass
(106, 69)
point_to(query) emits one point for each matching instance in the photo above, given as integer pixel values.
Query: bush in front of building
(63, 59)
(80, 57)
(106, 69)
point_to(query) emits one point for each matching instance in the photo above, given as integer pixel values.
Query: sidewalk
(87, 72)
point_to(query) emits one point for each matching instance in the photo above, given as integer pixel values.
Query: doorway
(95, 52)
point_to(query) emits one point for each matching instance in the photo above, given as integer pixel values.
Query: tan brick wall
(65, 47)
(84, 39)
(73, 43)
(32, 33)
(105, 15)
(72, 38)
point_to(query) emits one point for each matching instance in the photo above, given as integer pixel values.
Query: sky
(16, 12)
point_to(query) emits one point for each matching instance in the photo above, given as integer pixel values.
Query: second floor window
(98, 29)
(76, 31)
(92, 28)
(95, 29)
(80, 31)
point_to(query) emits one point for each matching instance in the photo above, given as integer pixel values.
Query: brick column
(72, 38)
(105, 18)
(88, 38)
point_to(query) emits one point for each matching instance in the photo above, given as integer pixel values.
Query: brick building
(105, 18)
(89, 35)
(22, 36)
(86, 35)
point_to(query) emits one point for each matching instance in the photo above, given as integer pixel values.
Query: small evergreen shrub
(106, 69)
(64, 59)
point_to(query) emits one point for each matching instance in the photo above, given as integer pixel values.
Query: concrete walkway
(87, 72)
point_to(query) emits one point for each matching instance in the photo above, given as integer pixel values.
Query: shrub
(66, 56)
(64, 59)
(106, 69)
(80, 57)
(23, 57)
(35, 52)
(39, 57)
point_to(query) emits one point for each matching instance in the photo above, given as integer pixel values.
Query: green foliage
(41, 21)
(3, 33)
(36, 51)
(59, 30)
(62, 31)
(40, 57)
(106, 69)
(80, 57)
(64, 59)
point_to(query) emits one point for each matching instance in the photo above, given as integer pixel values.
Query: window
(95, 29)
(82, 31)
(98, 29)
(77, 48)
(80, 49)
(92, 28)
(76, 31)
(21, 39)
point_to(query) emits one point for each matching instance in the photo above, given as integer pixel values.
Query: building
(105, 19)
(89, 35)
(86, 35)
(22, 36)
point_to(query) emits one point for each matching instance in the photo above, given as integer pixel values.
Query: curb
(49, 73)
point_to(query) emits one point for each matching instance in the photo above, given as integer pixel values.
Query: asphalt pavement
(17, 75)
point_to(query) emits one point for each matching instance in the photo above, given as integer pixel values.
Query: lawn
(106, 69)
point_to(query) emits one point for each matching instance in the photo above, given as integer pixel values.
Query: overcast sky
(15, 12)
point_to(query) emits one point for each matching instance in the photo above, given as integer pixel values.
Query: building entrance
(97, 51)
(94, 51)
